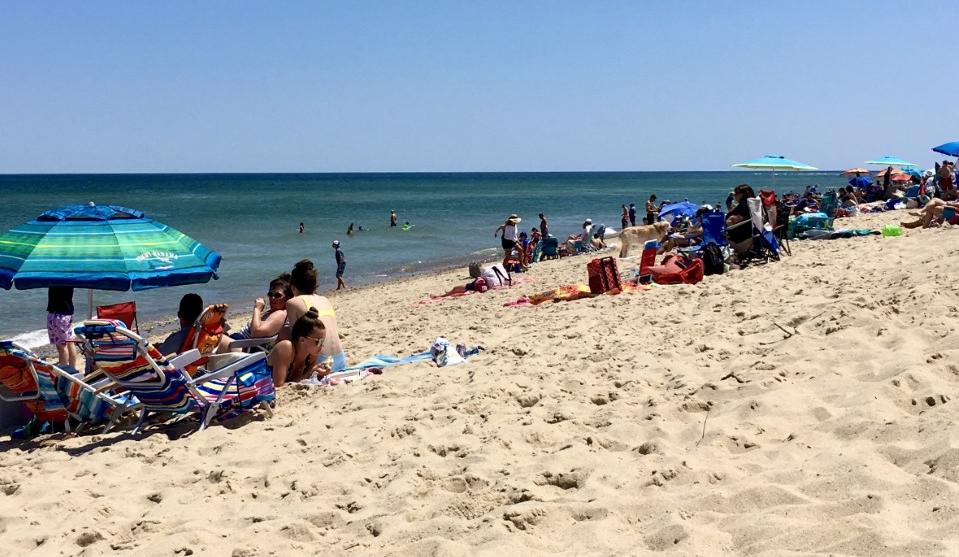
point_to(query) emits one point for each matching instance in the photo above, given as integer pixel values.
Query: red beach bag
(603, 275)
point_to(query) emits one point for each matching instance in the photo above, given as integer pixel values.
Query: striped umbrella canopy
(889, 160)
(774, 162)
(101, 247)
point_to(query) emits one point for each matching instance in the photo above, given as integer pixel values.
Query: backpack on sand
(713, 263)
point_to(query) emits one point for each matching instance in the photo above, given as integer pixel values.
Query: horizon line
(328, 172)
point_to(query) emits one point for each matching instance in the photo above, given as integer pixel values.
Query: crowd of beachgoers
(296, 328)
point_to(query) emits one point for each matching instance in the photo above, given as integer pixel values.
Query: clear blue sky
(171, 86)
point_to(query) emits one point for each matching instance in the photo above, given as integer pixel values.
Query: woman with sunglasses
(299, 358)
(267, 322)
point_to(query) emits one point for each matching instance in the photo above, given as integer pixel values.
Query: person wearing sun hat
(340, 264)
(510, 236)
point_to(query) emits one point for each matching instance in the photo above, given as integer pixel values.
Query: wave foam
(33, 339)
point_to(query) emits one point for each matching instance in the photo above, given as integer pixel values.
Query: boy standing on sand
(60, 324)
(340, 264)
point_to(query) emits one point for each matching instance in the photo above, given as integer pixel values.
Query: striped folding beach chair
(242, 383)
(205, 335)
(54, 394)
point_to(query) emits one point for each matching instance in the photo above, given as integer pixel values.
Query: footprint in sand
(666, 538)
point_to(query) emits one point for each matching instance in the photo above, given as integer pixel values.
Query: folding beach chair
(777, 215)
(207, 330)
(763, 245)
(244, 383)
(550, 248)
(647, 260)
(125, 312)
(256, 344)
(829, 205)
(714, 232)
(204, 336)
(54, 394)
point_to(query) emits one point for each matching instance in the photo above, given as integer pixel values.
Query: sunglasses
(274, 295)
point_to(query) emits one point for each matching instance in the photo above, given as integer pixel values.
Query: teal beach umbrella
(101, 247)
(774, 162)
(891, 161)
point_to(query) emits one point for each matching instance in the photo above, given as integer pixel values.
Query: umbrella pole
(89, 303)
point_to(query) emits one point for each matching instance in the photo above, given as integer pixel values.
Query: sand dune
(797, 408)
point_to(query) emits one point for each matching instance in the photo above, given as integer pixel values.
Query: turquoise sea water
(251, 219)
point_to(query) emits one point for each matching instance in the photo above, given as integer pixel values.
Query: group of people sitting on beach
(307, 344)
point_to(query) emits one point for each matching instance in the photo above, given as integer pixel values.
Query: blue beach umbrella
(950, 149)
(891, 161)
(101, 247)
(859, 181)
(681, 209)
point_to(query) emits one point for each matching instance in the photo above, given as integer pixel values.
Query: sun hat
(589, 221)
(514, 219)
(336, 243)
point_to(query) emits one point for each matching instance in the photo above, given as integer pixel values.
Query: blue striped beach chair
(242, 382)
(54, 394)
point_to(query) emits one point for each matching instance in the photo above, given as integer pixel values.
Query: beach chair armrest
(182, 360)
(252, 343)
(230, 366)
(214, 362)
(738, 224)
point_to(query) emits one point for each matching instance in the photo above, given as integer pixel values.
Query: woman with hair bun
(299, 357)
(303, 283)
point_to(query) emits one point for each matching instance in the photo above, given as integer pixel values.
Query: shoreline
(154, 328)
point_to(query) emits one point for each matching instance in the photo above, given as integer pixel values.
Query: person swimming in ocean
(349, 230)
(302, 228)
(407, 225)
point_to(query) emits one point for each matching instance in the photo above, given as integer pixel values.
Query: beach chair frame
(119, 406)
(208, 410)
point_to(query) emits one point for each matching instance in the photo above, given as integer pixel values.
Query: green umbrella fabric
(101, 247)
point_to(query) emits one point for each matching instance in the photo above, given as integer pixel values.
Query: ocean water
(252, 220)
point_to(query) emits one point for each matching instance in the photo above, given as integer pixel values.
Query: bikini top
(308, 302)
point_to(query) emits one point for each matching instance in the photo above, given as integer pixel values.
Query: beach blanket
(833, 235)
(374, 365)
(572, 292)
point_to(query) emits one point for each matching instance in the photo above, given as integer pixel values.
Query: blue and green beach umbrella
(101, 247)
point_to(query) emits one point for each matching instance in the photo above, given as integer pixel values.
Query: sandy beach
(802, 407)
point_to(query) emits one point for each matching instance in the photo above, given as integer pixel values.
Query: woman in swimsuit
(303, 284)
(299, 358)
